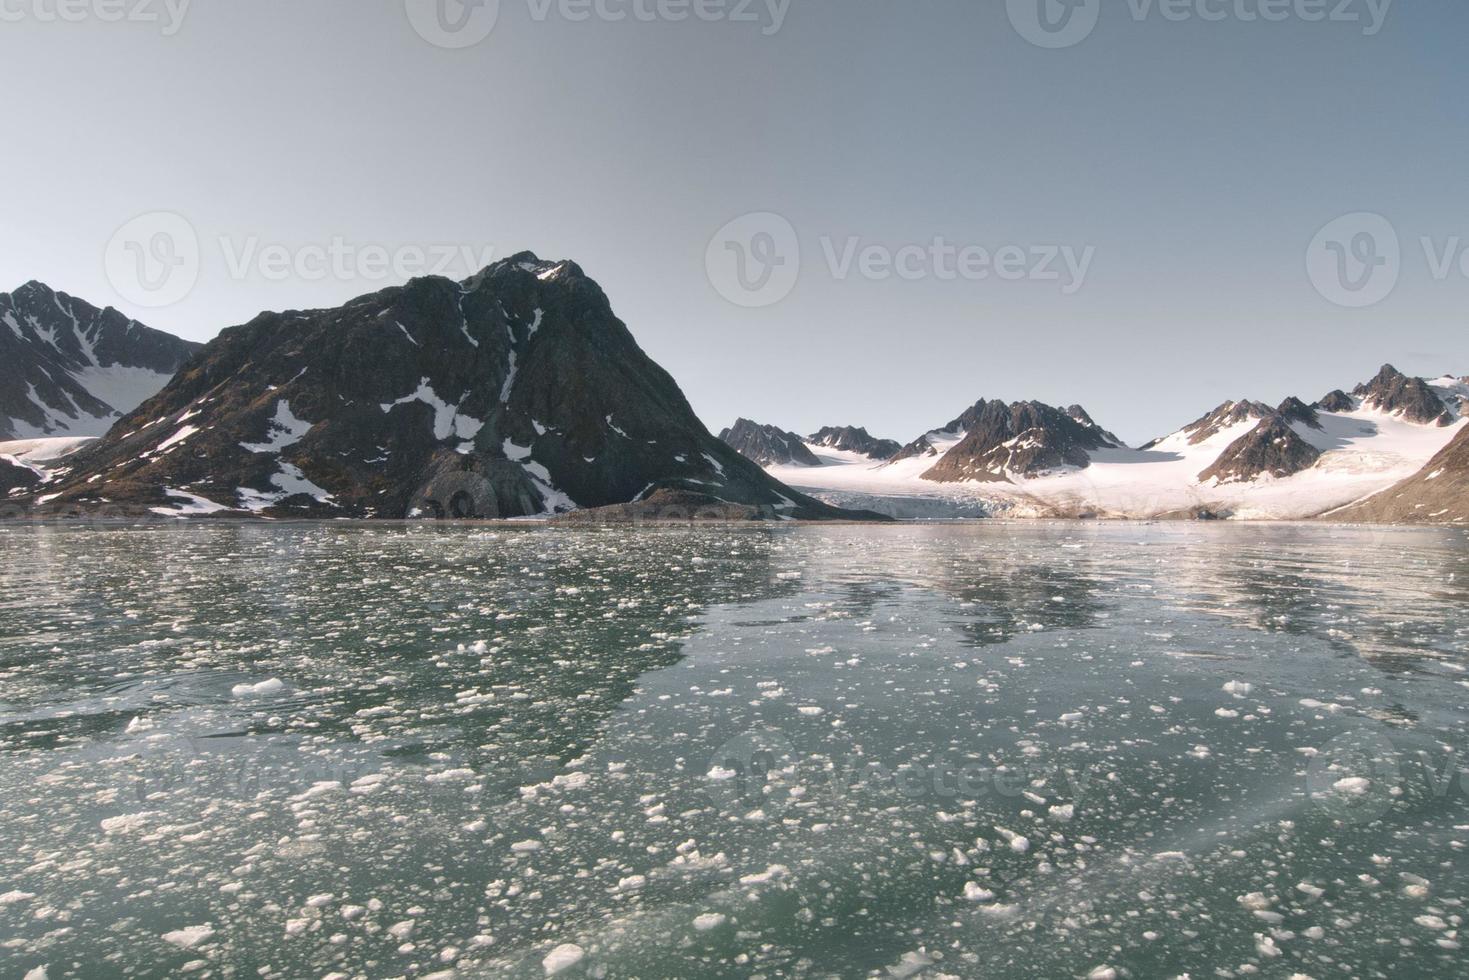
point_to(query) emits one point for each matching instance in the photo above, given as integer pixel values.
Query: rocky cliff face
(70, 369)
(1019, 439)
(853, 439)
(514, 393)
(16, 477)
(767, 445)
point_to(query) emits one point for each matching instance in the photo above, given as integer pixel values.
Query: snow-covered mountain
(70, 369)
(768, 445)
(1243, 460)
(514, 393)
(854, 439)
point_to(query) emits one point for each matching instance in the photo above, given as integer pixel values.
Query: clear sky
(1189, 161)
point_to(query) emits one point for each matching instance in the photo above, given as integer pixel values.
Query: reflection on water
(973, 751)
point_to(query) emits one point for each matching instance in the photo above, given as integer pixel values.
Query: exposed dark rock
(1272, 447)
(852, 439)
(70, 369)
(767, 445)
(1437, 494)
(514, 393)
(1022, 439)
(15, 475)
(1225, 416)
(1396, 393)
(1337, 401)
(1295, 410)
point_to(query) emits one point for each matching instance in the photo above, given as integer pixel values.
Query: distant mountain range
(514, 393)
(1393, 449)
(519, 393)
(70, 369)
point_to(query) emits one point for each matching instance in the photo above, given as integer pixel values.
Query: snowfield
(1364, 452)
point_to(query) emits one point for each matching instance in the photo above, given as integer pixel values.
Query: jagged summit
(768, 445)
(855, 439)
(68, 368)
(515, 392)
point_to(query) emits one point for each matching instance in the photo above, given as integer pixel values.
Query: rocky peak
(1225, 416)
(768, 445)
(1019, 439)
(854, 439)
(1295, 410)
(1395, 393)
(1273, 447)
(516, 392)
(69, 368)
(1337, 401)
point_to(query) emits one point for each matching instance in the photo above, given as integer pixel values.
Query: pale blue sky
(1196, 158)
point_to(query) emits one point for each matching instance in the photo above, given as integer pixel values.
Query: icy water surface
(947, 751)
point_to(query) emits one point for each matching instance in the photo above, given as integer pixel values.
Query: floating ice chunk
(189, 937)
(1017, 843)
(1102, 973)
(1352, 786)
(1238, 688)
(39, 973)
(124, 824)
(260, 690)
(974, 892)
(14, 897)
(709, 920)
(1064, 813)
(525, 846)
(563, 957)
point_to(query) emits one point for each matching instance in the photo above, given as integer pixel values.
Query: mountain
(1438, 493)
(851, 439)
(70, 369)
(767, 445)
(1021, 439)
(16, 476)
(1414, 399)
(1241, 460)
(514, 393)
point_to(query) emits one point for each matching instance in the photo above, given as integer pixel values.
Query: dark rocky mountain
(16, 477)
(1396, 393)
(1337, 401)
(514, 393)
(1272, 447)
(767, 445)
(1020, 439)
(1437, 494)
(852, 439)
(70, 369)
(1295, 410)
